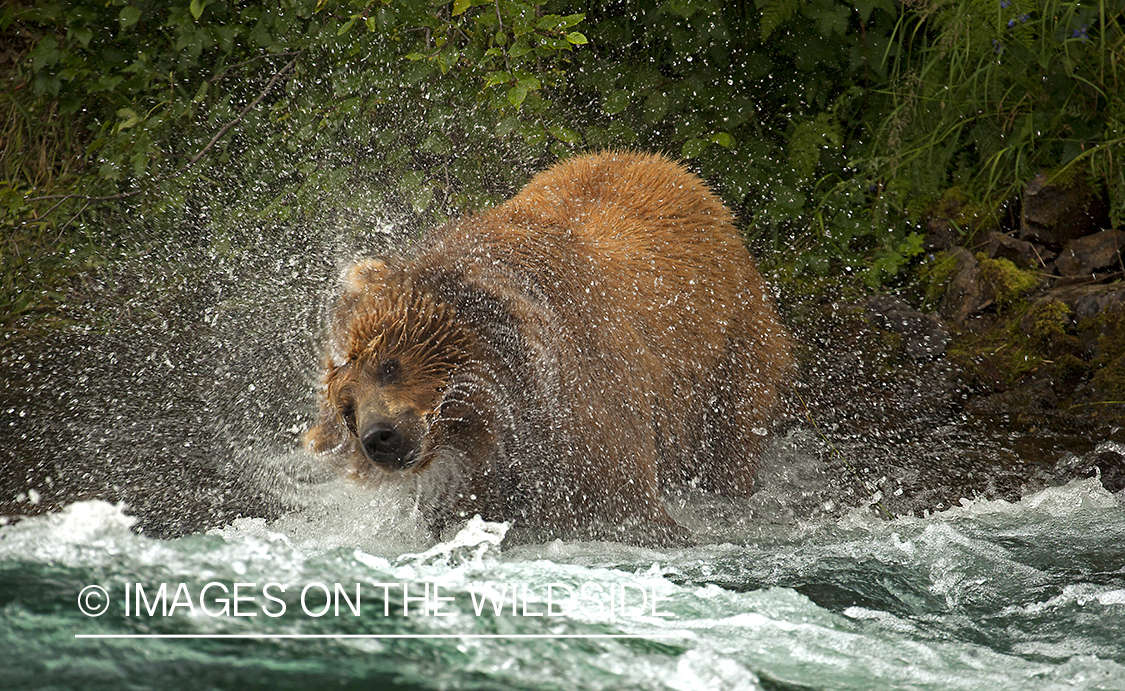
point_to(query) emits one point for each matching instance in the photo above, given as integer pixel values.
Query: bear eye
(388, 370)
(347, 412)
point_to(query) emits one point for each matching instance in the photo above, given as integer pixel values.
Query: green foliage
(935, 274)
(988, 93)
(827, 125)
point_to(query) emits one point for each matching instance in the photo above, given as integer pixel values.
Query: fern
(775, 13)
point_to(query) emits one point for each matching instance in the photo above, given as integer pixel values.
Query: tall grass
(990, 93)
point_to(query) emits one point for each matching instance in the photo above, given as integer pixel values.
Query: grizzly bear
(560, 360)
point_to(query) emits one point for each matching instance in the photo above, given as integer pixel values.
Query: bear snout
(386, 446)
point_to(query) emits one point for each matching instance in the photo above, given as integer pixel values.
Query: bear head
(386, 382)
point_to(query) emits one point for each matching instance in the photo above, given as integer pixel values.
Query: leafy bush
(828, 125)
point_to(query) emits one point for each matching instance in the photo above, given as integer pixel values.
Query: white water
(988, 595)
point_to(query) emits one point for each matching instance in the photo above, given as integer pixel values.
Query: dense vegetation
(831, 126)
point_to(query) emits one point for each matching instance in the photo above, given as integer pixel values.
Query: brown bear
(559, 360)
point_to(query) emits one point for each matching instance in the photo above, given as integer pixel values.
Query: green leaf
(531, 82)
(807, 141)
(723, 139)
(106, 82)
(437, 143)
(128, 117)
(656, 106)
(548, 44)
(693, 147)
(617, 101)
(775, 13)
(550, 22)
(423, 198)
(83, 35)
(140, 163)
(497, 78)
(201, 93)
(196, 8)
(517, 94)
(833, 20)
(46, 52)
(507, 125)
(564, 134)
(347, 25)
(459, 6)
(576, 38)
(533, 134)
(864, 8)
(129, 16)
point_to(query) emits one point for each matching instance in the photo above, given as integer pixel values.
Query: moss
(1069, 370)
(1007, 281)
(1063, 176)
(1045, 319)
(1022, 358)
(1029, 338)
(934, 275)
(1108, 382)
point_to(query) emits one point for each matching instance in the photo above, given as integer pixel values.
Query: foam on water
(989, 594)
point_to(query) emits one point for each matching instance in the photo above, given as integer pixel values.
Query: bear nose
(383, 444)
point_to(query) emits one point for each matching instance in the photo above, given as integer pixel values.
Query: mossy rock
(1046, 318)
(934, 275)
(1007, 281)
(1108, 382)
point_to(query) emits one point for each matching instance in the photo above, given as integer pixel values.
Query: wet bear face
(387, 402)
(386, 397)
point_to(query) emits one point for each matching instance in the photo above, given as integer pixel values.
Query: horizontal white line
(498, 636)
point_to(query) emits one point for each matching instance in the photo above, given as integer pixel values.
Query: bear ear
(363, 275)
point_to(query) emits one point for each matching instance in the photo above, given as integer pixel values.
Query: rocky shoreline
(1012, 341)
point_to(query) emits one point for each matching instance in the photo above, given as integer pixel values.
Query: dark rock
(923, 336)
(965, 295)
(940, 235)
(1086, 255)
(1112, 469)
(1020, 252)
(1107, 463)
(1093, 302)
(1054, 214)
(1023, 405)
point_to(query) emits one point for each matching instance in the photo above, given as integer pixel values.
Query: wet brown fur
(565, 356)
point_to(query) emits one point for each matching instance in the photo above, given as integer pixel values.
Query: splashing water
(1026, 595)
(187, 406)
